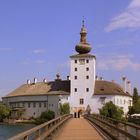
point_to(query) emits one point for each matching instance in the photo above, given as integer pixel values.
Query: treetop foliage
(112, 111)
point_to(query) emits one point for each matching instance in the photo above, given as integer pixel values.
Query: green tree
(112, 111)
(135, 96)
(135, 108)
(136, 103)
(4, 112)
(64, 108)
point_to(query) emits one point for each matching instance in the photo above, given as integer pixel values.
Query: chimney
(35, 80)
(68, 78)
(45, 80)
(113, 81)
(129, 87)
(101, 78)
(96, 78)
(28, 82)
(124, 84)
(58, 77)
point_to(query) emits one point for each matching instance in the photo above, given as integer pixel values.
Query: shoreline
(18, 122)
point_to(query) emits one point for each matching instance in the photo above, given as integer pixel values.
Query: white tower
(82, 73)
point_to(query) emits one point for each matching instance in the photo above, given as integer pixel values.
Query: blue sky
(37, 38)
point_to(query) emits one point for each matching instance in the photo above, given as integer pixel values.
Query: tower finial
(83, 23)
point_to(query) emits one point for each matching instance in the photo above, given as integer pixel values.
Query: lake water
(7, 131)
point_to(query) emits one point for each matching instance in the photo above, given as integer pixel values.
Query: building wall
(124, 102)
(81, 83)
(35, 105)
(54, 103)
(121, 101)
(99, 100)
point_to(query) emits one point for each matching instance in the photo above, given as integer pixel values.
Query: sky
(37, 38)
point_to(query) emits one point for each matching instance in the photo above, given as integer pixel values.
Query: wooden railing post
(125, 128)
(137, 133)
(26, 138)
(37, 134)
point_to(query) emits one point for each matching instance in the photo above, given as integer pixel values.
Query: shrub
(45, 116)
(64, 108)
(112, 111)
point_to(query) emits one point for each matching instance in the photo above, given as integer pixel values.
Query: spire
(83, 47)
(83, 33)
(83, 23)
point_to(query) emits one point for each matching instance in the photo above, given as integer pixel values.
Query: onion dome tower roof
(83, 47)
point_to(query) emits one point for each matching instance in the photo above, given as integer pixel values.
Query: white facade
(121, 101)
(82, 73)
(34, 105)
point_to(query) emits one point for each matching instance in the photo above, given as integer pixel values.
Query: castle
(82, 90)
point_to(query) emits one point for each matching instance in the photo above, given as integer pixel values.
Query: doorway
(79, 113)
(75, 116)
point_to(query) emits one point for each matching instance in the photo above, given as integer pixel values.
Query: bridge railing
(117, 130)
(43, 131)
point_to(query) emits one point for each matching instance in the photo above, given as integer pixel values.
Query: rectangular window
(18, 105)
(87, 77)
(45, 104)
(39, 104)
(87, 61)
(75, 89)
(29, 105)
(34, 104)
(120, 101)
(75, 61)
(81, 101)
(124, 101)
(75, 69)
(75, 77)
(87, 69)
(82, 61)
(87, 89)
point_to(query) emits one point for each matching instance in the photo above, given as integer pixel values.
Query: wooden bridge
(91, 127)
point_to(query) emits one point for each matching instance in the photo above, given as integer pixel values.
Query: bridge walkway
(78, 129)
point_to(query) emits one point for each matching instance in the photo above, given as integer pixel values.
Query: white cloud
(38, 51)
(129, 18)
(118, 62)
